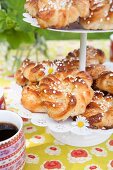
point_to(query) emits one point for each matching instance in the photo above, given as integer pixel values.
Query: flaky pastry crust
(94, 56)
(95, 70)
(60, 95)
(99, 112)
(100, 17)
(105, 81)
(57, 13)
(19, 76)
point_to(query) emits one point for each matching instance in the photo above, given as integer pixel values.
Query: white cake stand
(72, 28)
(65, 132)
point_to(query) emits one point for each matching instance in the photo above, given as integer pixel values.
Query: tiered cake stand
(64, 131)
(73, 28)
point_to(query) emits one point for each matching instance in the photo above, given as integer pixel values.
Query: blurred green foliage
(15, 31)
(12, 28)
(50, 35)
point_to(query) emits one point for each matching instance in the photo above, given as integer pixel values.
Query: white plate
(74, 28)
(14, 94)
(64, 132)
(80, 141)
(67, 134)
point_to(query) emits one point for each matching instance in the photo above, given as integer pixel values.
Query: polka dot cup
(2, 100)
(111, 48)
(12, 150)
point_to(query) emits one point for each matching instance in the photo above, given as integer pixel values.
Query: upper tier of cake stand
(73, 28)
(76, 28)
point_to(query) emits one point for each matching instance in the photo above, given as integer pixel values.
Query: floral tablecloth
(44, 152)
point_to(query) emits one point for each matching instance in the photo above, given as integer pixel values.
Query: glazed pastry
(95, 70)
(61, 94)
(20, 78)
(31, 99)
(67, 64)
(57, 13)
(105, 81)
(35, 72)
(66, 97)
(100, 17)
(99, 112)
(94, 56)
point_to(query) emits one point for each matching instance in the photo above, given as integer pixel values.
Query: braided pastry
(101, 15)
(66, 64)
(99, 112)
(94, 56)
(105, 81)
(20, 79)
(96, 70)
(31, 98)
(103, 78)
(62, 95)
(57, 13)
(34, 72)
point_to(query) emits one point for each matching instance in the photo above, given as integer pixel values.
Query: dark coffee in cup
(7, 130)
(12, 141)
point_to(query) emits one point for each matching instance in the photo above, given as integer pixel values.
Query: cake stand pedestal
(72, 28)
(83, 47)
(70, 137)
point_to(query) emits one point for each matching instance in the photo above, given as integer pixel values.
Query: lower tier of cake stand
(72, 139)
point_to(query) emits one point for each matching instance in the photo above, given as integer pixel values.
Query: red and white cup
(12, 150)
(2, 100)
(111, 48)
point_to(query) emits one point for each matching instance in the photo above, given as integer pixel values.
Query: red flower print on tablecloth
(37, 139)
(79, 156)
(29, 129)
(32, 158)
(110, 165)
(53, 150)
(98, 151)
(110, 145)
(52, 165)
(92, 167)
(26, 121)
